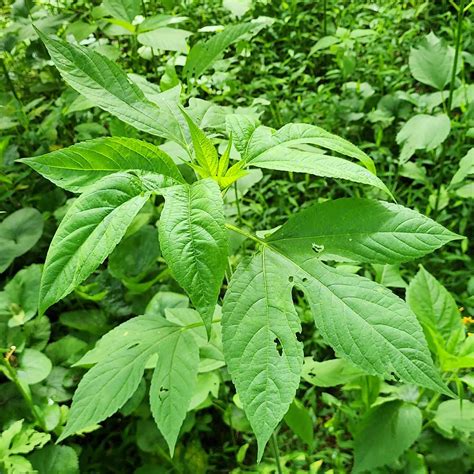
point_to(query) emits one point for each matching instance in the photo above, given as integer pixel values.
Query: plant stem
(9, 81)
(246, 234)
(456, 53)
(24, 391)
(274, 445)
(450, 102)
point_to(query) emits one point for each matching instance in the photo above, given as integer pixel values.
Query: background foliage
(377, 73)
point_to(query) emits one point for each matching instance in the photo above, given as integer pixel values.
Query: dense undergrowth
(379, 74)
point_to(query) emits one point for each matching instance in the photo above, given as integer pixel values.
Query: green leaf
(166, 39)
(193, 241)
(113, 380)
(19, 232)
(364, 323)
(242, 128)
(263, 355)
(173, 384)
(204, 151)
(82, 165)
(88, 233)
(34, 366)
(453, 417)
(329, 373)
(204, 53)
(385, 432)
(432, 62)
(360, 230)
(299, 420)
(422, 132)
(436, 310)
(57, 459)
(102, 82)
(125, 10)
(287, 139)
(466, 168)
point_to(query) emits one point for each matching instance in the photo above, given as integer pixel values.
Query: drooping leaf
(360, 230)
(19, 232)
(113, 380)
(102, 82)
(299, 420)
(173, 383)
(204, 53)
(193, 241)
(386, 431)
(436, 310)
(422, 132)
(88, 233)
(432, 62)
(263, 140)
(82, 165)
(329, 373)
(261, 349)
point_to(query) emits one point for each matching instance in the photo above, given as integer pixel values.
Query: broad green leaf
(82, 165)
(135, 254)
(237, 8)
(436, 310)
(33, 367)
(102, 82)
(88, 233)
(166, 39)
(466, 168)
(204, 53)
(19, 232)
(422, 132)
(57, 459)
(289, 137)
(432, 62)
(173, 383)
(299, 419)
(454, 417)
(360, 230)
(125, 10)
(193, 241)
(22, 293)
(263, 354)
(329, 373)
(113, 380)
(385, 432)
(204, 151)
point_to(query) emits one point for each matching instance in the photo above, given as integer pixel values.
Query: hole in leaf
(304, 279)
(290, 279)
(317, 248)
(278, 346)
(299, 336)
(132, 346)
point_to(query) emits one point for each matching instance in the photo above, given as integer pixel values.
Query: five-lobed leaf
(361, 230)
(88, 233)
(82, 165)
(193, 241)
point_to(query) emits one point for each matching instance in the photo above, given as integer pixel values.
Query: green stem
(456, 53)
(24, 391)
(246, 234)
(276, 454)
